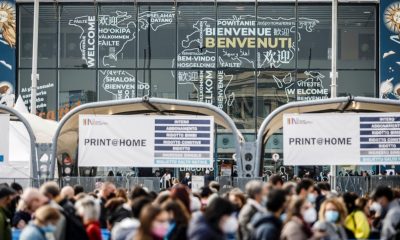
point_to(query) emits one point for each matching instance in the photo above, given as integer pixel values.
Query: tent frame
(152, 106)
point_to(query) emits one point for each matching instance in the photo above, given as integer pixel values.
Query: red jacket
(93, 230)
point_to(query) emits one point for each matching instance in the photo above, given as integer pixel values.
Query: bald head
(107, 189)
(67, 192)
(32, 199)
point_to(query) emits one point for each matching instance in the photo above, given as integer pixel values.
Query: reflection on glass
(46, 101)
(156, 83)
(116, 84)
(76, 87)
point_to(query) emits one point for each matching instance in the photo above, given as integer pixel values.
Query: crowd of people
(265, 210)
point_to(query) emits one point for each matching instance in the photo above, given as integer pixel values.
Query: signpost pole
(334, 73)
(34, 76)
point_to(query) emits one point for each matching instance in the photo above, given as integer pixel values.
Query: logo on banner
(297, 121)
(93, 122)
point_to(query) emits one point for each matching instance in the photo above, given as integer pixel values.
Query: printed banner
(5, 137)
(146, 141)
(8, 33)
(389, 49)
(341, 139)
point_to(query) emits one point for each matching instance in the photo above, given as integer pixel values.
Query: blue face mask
(50, 228)
(332, 216)
(311, 198)
(283, 217)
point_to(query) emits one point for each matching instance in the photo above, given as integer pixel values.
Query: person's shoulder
(30, 232)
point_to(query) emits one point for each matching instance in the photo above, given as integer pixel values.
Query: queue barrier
(358, 184)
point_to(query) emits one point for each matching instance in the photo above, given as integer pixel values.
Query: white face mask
(376, 207)
(310, 215)
(230, 225)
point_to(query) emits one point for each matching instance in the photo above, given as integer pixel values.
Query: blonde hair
(340, 206)
(47, 214)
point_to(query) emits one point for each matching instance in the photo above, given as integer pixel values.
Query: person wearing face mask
(300, 216)
(356, 222)
(154, 223)
(268, 225)
(187, 180)
(389, 208)
(43, 226)
(179, 219)
(331, 220)
(217, 223)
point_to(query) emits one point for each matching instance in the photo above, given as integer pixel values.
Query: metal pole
(34, 76)
(334, 73)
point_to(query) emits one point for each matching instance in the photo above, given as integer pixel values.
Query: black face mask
(111, 196)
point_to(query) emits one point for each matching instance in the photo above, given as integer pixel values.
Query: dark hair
(383, 191)
(16, 186)
(215, 185)
(205, 192)
(349, 199)
(137, 191)
(78, 189)
(294, 209)
(275, 179)
(181, 192)
(304, 184)
(138, 204)
(216, 210)
(276, 200)
(50, 189)
(149, 213)
(181, 215)
(324, 186)
(121, 192)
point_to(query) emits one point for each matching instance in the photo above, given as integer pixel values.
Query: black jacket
(266, 226)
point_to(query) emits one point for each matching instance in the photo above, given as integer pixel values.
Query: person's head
(138, 204)
(325, 188)
(290, 188)
(301, 208)
(332, 210)
(254, 190)
(121, 193)
(31, 200)
(78, 189)
(349, 198)
(107, 190)
(50, 190)
(154, 221)
(177, 212)
(46, 217)
(136, 192)
(88, 209)
(218, 215)
(207, 172)
(383, 195)
(362, 204)
(187, 175)
(67, 192)
(17, 188)
(181, 192)
(305, 189)
(276, 181)
(6, 195)
(214, 185)
(237, 198)
(276, 201)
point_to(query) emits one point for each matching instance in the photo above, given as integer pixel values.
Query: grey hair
(88, 207)
(254, 188)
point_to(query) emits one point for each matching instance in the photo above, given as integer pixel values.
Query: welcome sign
(146, 141)
(341, 139)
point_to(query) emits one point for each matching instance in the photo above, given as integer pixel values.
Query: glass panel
(161, 82)
(278, 47)
(357, 83)
(76, 87)
(357, 27)
(117, 36)
(272, 92)
(157, 36)
(236, 36)
(46, 101)
(118, 84)
(315, 42)
(78, 36)
(47, 42)
(196, 85)
(194, 23)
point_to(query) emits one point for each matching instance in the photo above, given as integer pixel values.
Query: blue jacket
(32, 232)
(199, 229)
(266, 226)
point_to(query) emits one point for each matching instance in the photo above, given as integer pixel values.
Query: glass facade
(247, 58)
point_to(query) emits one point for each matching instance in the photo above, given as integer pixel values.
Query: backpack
(74, 227)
